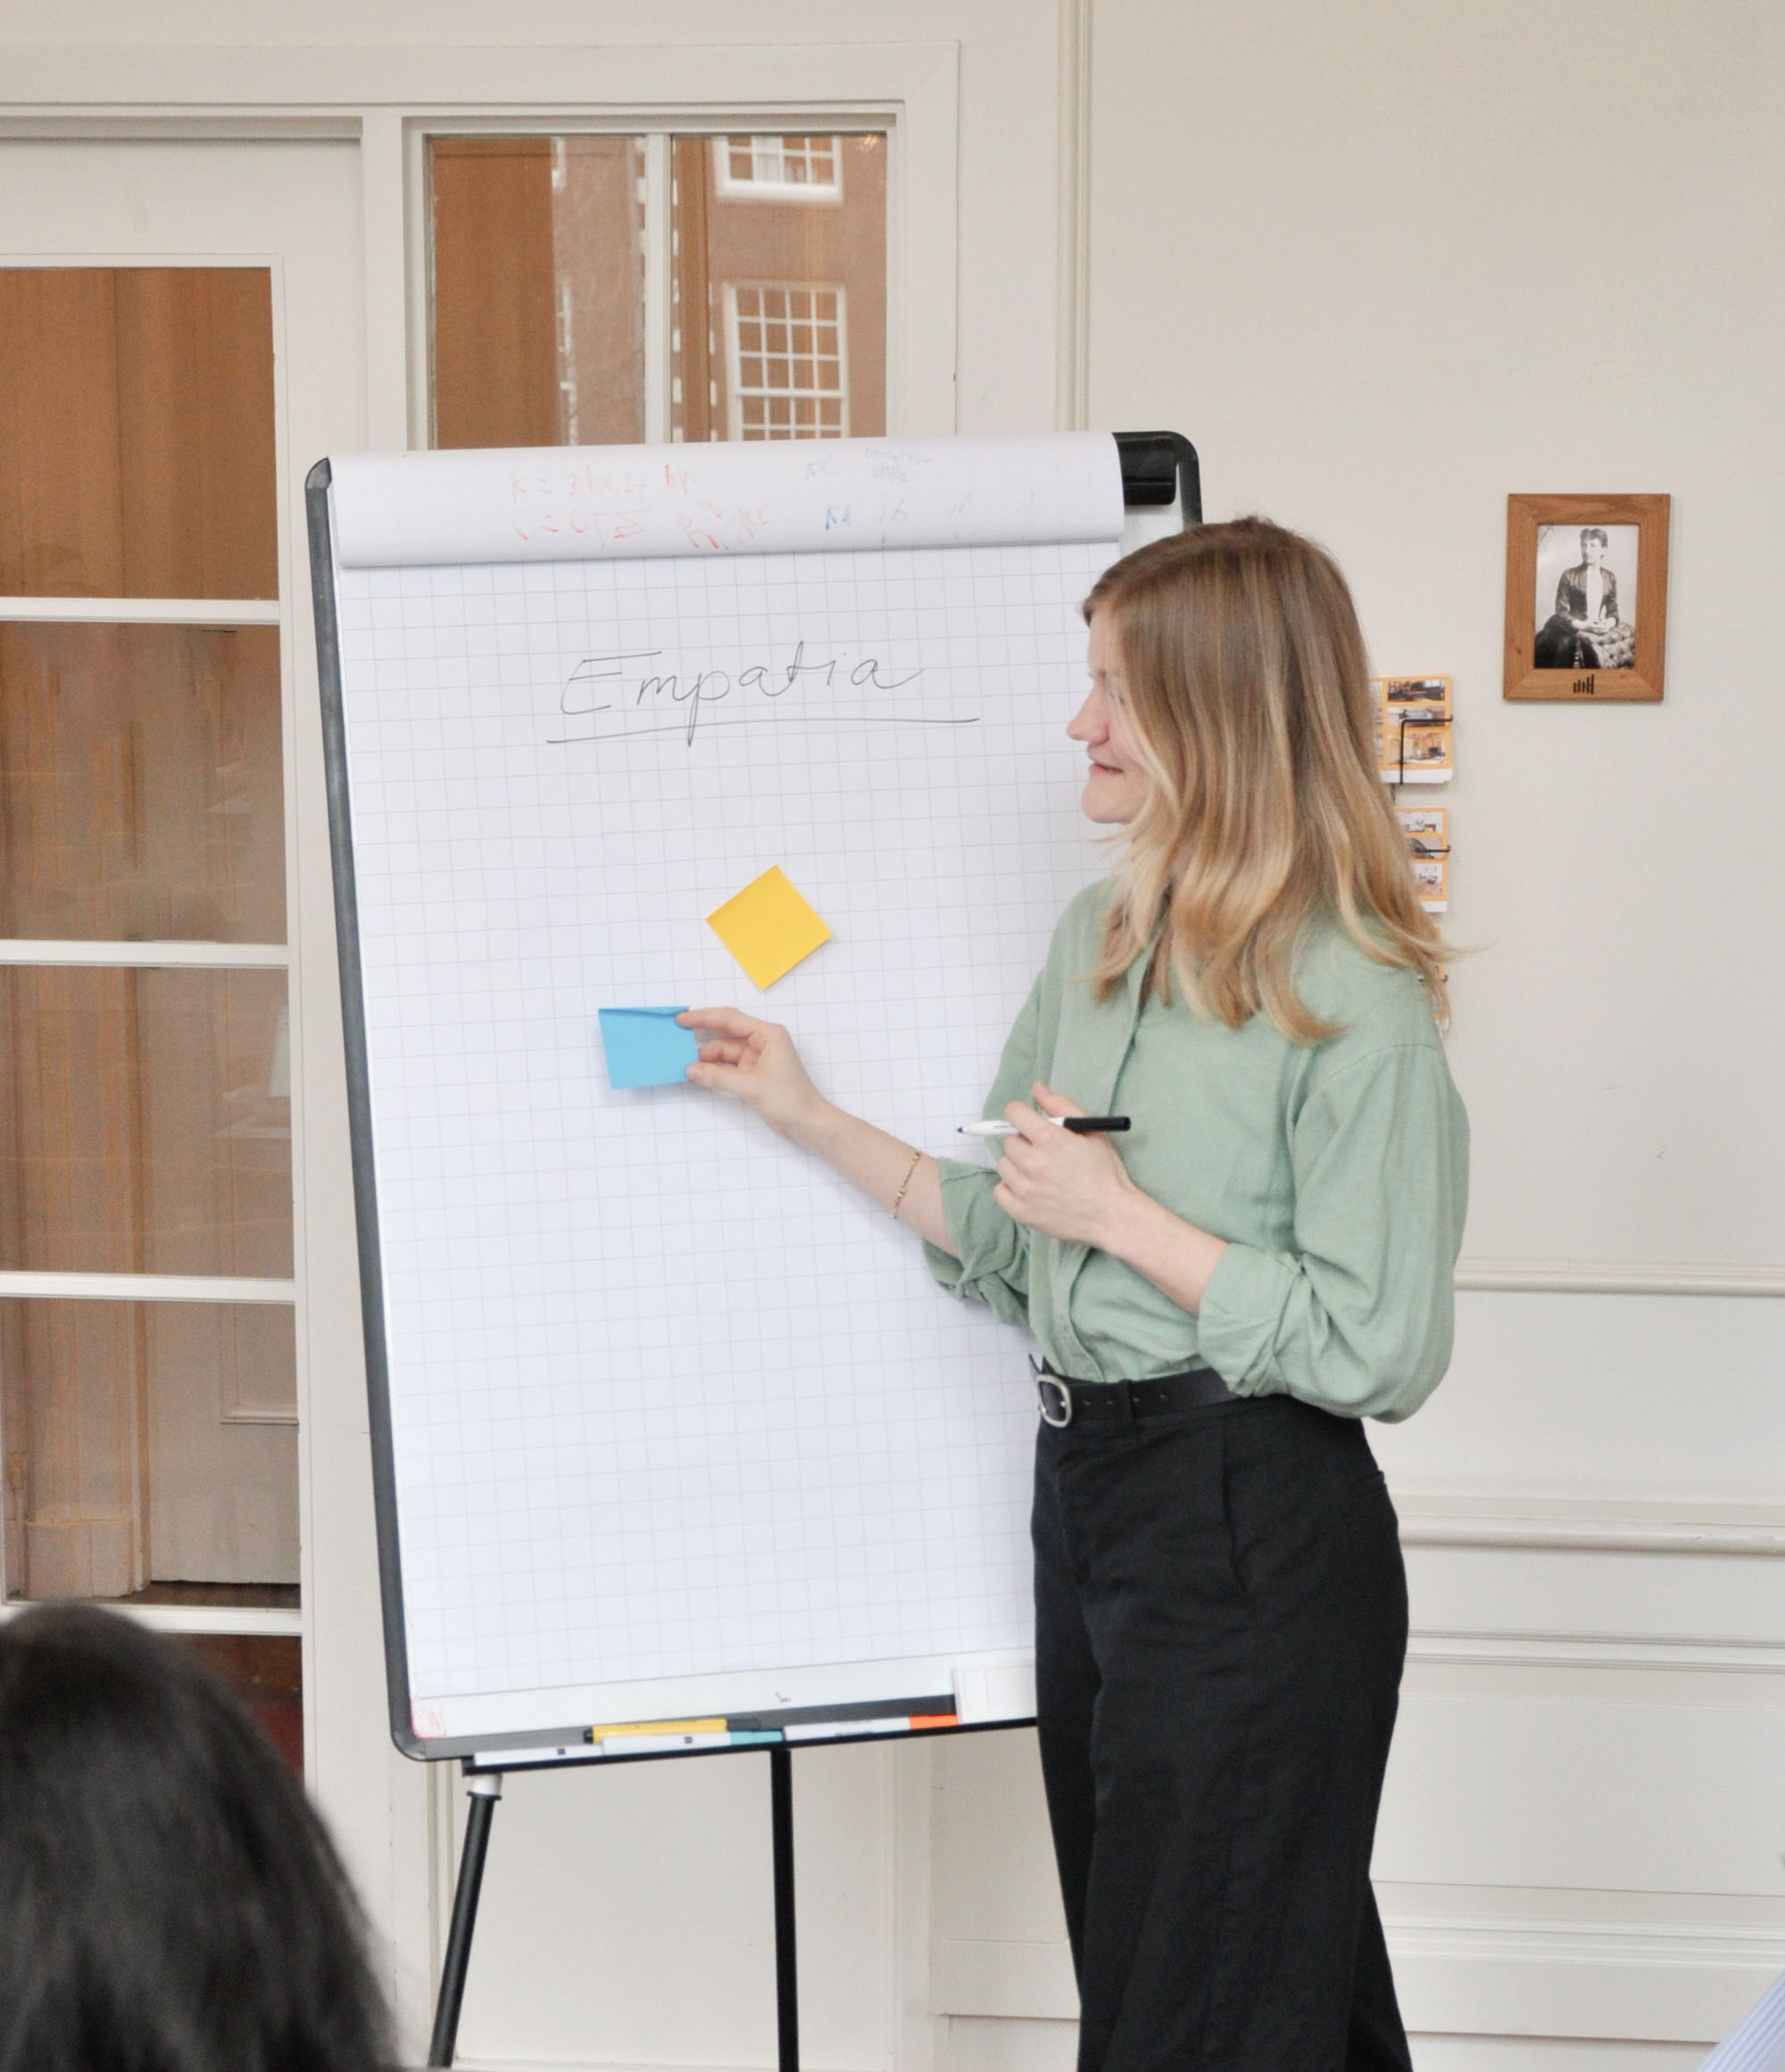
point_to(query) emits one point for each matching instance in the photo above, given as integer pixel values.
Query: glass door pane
(137, 432)
(145, 1104)
(195, 1401)
(141, 783)
(144, 1121)
(266, 1671)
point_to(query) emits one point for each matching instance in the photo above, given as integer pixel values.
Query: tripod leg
(786, 1962)
(485, 1790)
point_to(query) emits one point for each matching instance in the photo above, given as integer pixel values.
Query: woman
(1584, 632)
(171, 1902)
(1221, 1612)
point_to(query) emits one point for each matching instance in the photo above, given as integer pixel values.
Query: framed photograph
(1586, 598)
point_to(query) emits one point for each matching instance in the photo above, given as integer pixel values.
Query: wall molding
(1622, 1981)
(1612, 1980)
(1590, 1525)
(1633, 1941)
(1072, 359)
(1618, 1276)
(1477, 1647)
(237, 82)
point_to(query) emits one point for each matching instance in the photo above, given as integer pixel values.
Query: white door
(165, 1427)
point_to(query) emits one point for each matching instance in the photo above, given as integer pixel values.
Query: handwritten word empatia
(618, 695)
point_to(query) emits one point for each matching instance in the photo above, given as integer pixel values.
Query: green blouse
(1337, 1173)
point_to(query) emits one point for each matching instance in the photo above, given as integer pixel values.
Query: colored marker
(847, 1729)
(659, 1728)
(1080, 1126)
(630, 1744)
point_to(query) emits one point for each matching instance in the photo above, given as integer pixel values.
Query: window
(780, 168)
(538, 290)
(599, 290)
(786, 362)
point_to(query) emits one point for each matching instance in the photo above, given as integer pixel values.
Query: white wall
(1385, 264)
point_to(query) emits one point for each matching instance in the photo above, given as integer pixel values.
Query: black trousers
(1220, 1621)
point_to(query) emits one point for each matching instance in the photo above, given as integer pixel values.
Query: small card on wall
(1427, 829)
(1413, 728)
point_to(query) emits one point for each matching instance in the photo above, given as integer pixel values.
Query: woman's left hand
(1055, 1181)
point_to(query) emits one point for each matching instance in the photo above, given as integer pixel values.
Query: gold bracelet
(904, 1183)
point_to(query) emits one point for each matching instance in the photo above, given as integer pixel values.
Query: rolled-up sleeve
(1358, 1317)
(993, 1265)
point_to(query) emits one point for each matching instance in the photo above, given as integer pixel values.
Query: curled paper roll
(578, 503)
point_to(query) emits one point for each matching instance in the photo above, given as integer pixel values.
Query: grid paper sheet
(668, 1398)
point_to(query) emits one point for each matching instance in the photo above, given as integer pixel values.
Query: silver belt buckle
(1053, 1396)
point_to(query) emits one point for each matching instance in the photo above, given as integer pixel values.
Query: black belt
(1065, 1401)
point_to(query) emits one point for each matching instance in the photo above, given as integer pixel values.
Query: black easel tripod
(483, 1788)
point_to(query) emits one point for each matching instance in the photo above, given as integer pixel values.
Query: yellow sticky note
(768, 927)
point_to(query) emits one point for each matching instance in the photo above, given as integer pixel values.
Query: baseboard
(1611, 1981)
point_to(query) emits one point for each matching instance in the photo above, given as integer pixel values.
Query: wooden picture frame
(1572, 634)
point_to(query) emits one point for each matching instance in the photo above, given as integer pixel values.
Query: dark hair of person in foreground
(169, 1900)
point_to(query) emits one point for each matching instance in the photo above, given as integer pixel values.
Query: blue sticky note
(646, 1046)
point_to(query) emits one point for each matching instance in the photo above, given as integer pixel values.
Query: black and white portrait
(1586, 597)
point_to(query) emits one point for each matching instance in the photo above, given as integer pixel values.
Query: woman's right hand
(755, 1063)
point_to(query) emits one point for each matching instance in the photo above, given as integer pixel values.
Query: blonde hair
(1245, 687)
